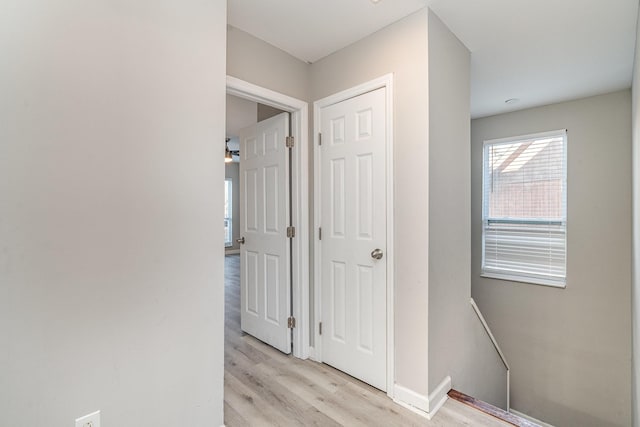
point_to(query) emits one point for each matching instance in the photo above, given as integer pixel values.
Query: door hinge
(290, 142)
(320, 233)
(319, 139)
(291, 232)
(291, 322)
(320, 328)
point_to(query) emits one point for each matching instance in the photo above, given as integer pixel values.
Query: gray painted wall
(635, 292)
(458, 344)
(372, 57)
(240, 113)
(266, 112)
(111, 273)
(400, 49)
(570, 349)
(365, 60)
(255, 61)
(468, 351)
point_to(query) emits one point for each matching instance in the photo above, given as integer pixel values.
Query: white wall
(111, 274)
(458, 345)
(635, 286)
(569, 349)
(400, 49)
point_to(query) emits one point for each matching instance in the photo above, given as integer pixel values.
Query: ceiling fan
(228, 154)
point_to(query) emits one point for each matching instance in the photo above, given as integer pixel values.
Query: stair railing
(497, 347)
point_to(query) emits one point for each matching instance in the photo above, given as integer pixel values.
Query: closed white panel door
(353, 219)
(264, 216)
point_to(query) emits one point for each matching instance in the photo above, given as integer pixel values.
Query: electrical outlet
(91, 420)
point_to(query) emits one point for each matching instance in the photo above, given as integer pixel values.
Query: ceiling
(537, 51)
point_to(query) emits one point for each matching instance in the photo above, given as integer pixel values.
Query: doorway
(299, 211)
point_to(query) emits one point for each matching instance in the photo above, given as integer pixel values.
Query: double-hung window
(524, 208)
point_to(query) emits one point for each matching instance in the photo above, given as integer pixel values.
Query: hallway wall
(570, 349)
(401, 49)
(111, 275)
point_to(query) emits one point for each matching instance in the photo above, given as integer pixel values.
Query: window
(524, 212)
(228, 214)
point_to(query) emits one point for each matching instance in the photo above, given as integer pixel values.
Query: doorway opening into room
(267, 140)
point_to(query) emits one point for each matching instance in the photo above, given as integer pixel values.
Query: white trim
(528, 418)
(517, 138)
(531, 280)
(300, 199)
(416, 402)
(439, 396)
(231, 251)
(488, 330)
(386, 82)
(514, 276)
(429, 406)
(494, 341)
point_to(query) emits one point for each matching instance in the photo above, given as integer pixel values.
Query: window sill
(527, 280)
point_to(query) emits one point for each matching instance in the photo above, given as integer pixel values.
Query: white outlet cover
(91, 420)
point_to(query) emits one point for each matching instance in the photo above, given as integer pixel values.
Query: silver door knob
(377, 254)
(240, 240)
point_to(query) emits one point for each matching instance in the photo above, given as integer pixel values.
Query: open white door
(353, 244)
(264, 216)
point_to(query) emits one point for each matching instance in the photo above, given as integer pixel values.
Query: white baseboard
(426, 406)
(411, 400)
(312, 353)
(528, 418)
(231, 251)
(439, 395)
(407, 397)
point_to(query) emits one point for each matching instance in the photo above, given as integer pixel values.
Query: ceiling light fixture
(228, 158)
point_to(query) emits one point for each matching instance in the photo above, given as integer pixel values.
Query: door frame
(386, 82)
(299, 199)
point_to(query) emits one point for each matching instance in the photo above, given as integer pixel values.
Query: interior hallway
(264, 387)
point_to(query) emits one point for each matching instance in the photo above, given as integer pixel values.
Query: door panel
(353, 217)
(265, 256)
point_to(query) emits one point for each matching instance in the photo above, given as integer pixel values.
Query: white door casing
(264, 216)
(353, 218)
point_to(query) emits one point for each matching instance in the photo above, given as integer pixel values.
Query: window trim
(229, 201)
(525, 278)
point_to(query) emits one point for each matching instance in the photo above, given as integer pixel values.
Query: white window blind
(525, 208)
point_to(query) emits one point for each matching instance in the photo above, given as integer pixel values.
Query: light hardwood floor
(264, 387)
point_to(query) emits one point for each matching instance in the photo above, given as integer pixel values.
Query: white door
(353, 219)
(264, 216)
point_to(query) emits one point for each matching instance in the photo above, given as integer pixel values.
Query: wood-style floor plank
(264, 387)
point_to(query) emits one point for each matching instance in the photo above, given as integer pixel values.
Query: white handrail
(497, 347)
